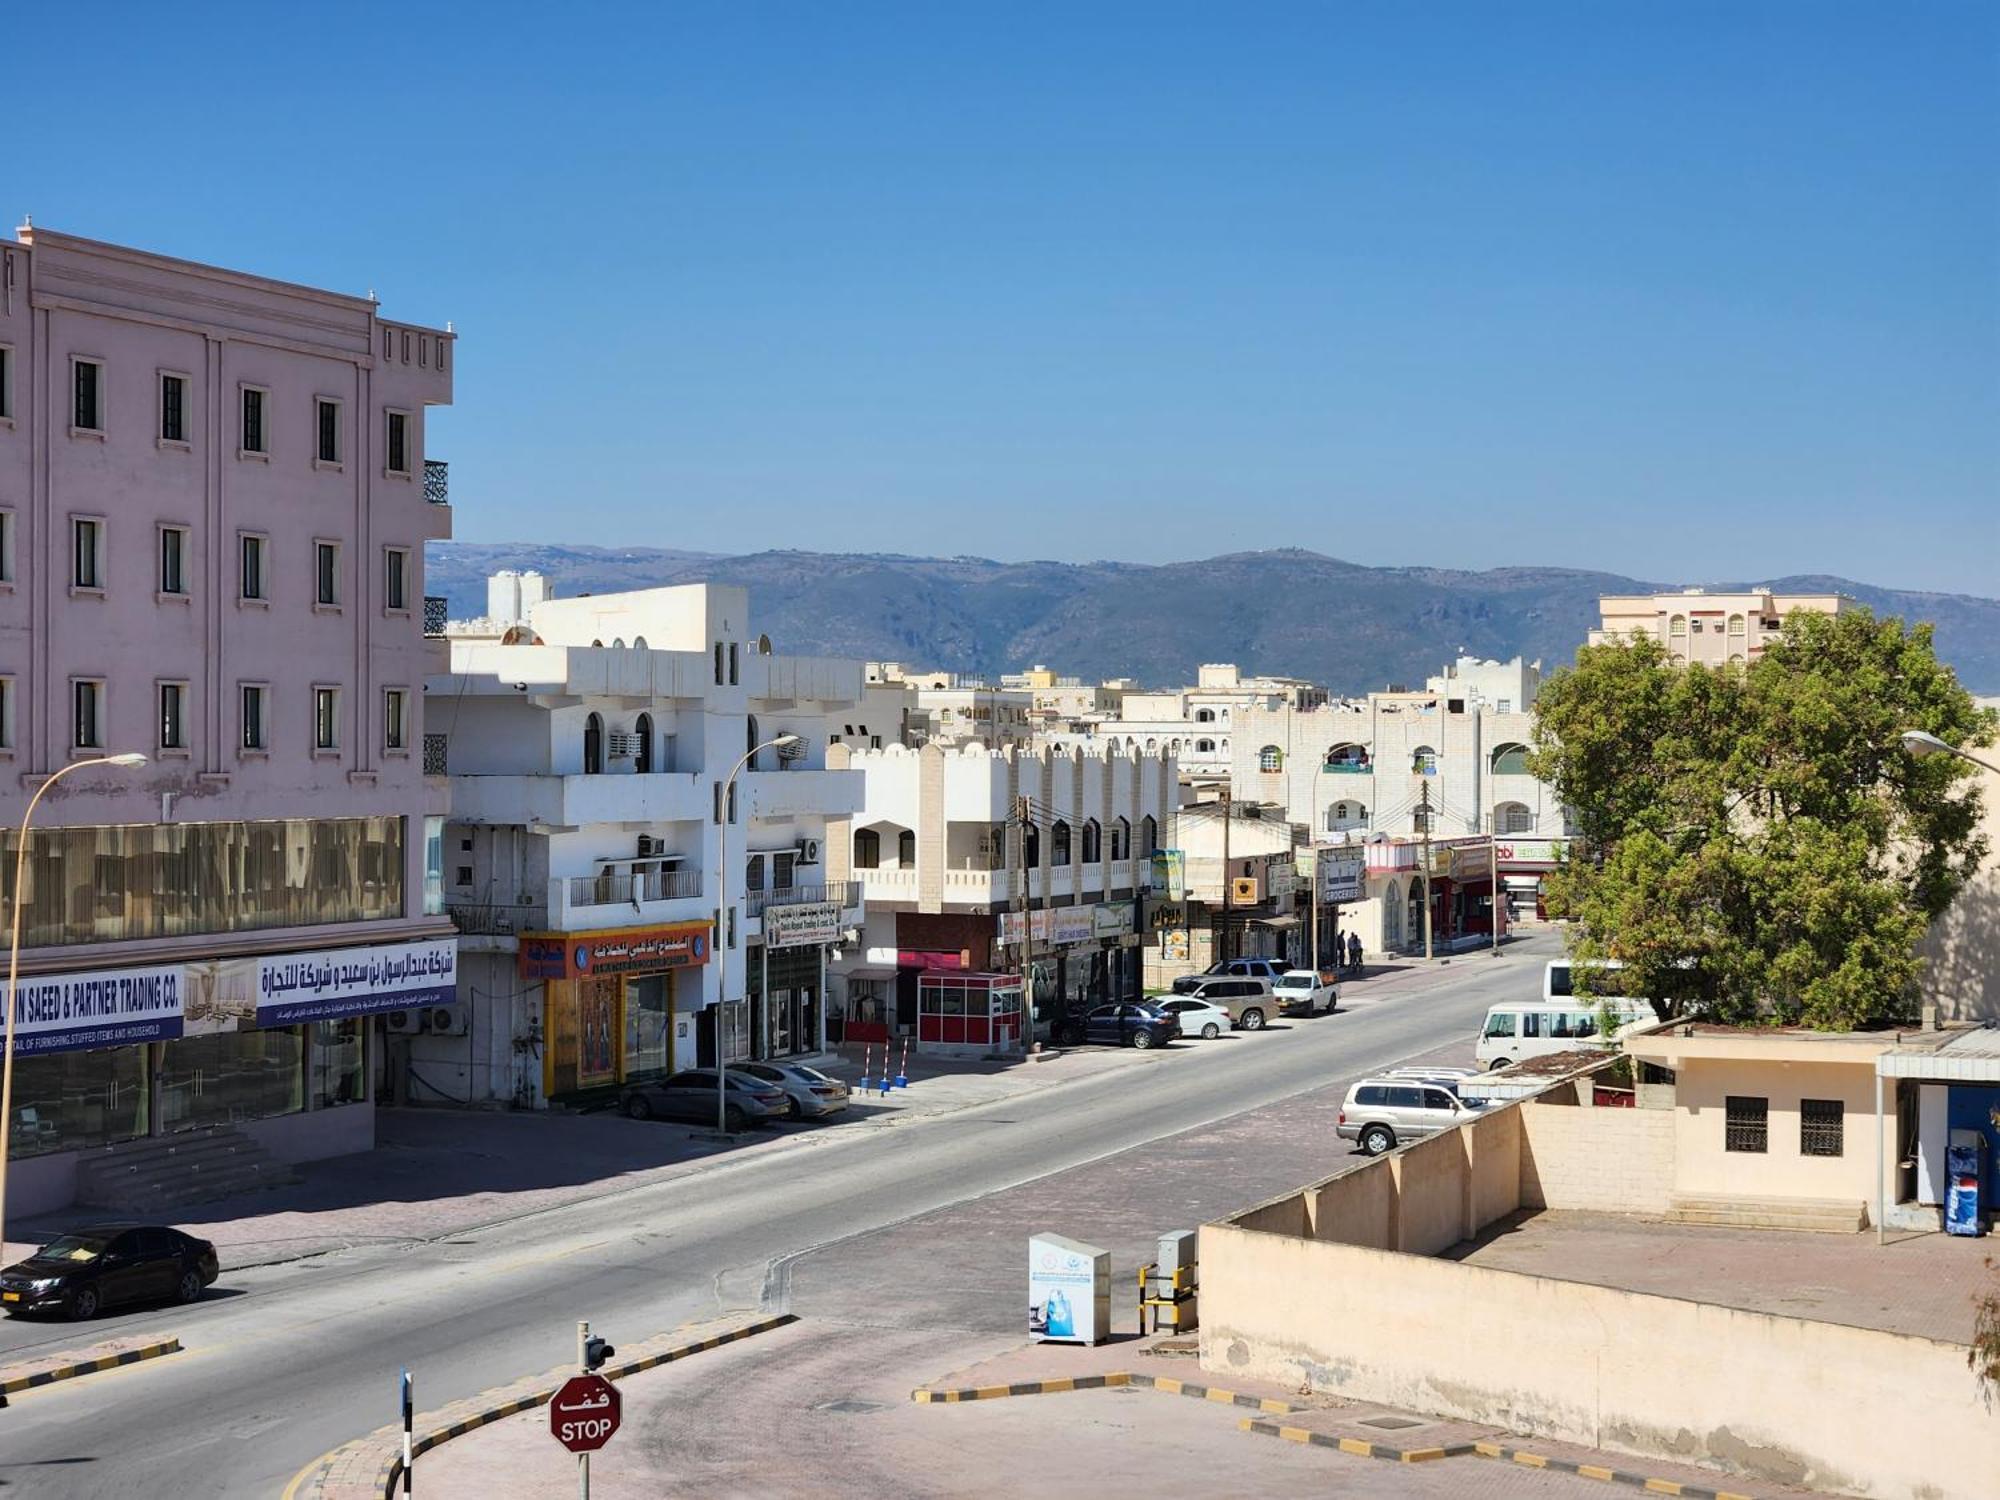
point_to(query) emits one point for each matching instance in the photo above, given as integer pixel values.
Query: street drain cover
(851, 1407)
(1392, 1424)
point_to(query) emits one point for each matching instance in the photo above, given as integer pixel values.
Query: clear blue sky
(1682, 290)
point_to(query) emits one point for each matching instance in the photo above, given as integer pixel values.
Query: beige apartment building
(1711, 629)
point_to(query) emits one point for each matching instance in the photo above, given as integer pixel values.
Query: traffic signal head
(596, 1352)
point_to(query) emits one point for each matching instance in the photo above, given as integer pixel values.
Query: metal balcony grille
(435, 606)
(434, 756)
(835, 891)
(1820, 1127)
(437, 481)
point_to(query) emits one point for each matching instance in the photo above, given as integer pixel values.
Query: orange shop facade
(617, 1005)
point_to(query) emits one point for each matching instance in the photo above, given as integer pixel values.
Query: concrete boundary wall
(1852, 1410)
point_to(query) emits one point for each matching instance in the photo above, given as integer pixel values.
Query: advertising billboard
(1342, 877)
(802, 926)
(622, 950)
(332, 983)
(98, 1008)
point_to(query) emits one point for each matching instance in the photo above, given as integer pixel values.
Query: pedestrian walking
(1354, 952)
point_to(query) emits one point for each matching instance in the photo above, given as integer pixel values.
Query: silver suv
(1249, 1002)
(1383, 1112)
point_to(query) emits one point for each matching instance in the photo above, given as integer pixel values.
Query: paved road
(288, 1361)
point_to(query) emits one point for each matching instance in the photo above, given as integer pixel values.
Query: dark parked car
(1126, 1025)
(103, 1265)
(1270, 970)
(691, 1096)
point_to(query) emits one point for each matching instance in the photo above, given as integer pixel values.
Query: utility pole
(1025, 954)
(1223, 936)
(1424, 827)
(1315, 966)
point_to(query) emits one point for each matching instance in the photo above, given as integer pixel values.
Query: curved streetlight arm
(1920, 742)
(721, 866)
(14, 960)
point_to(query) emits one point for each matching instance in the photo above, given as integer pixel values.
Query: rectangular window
(328, 424)
(86, 714)
(256, 703)
(253, 436)
(395, 569)
(6, 713)
(326, 572)
(173, 716)
(88, 376)
(173, 408)
(1821, 1127)
(6, 546)
(732, 664)
(253, 580)
(326, 718)
(173, 560)
(6, 381)
(1746, 1124)
(399, 443)
(87, 554)
(395, 704)
(718, 664)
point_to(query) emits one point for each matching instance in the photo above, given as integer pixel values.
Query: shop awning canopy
(873, 972)
(1289, 919)
(1970, 1057)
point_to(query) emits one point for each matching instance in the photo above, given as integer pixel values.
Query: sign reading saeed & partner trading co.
(103, 1008)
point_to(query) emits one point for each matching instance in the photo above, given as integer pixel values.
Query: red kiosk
(968, 1015)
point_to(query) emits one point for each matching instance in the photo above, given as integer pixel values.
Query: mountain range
(1288, 613)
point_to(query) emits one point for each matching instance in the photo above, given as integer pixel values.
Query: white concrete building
(580, 861)
(941, 858)
(1504, 686)
(1713, 629)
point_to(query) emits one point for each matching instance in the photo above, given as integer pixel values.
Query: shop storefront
(610, 1008)
(1084, 956)
(260, 1043)
(788, 979)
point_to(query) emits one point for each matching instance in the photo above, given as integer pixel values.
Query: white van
(1515, 1029)
(1606, 979)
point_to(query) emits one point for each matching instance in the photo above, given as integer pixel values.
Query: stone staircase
(190, 1166)
(1811, 1215)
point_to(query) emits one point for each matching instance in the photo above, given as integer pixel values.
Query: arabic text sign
(624, 950)
(1170, 873)
(801, 926)
(1111, 920)
(103, 1008)
(332, 983)
(1059, 926)
(585, 1413)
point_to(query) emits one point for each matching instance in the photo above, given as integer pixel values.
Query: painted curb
(89, 1366)
(1360, 1448)
(929, 1396)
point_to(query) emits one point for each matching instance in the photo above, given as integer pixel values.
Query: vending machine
(1964, 1170)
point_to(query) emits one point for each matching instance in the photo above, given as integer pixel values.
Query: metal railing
(436, 607)
(491, 918)
(623, 887)
(437, 481)
(434, 754)
(835, 891)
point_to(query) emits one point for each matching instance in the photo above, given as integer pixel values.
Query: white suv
(1383, 1112)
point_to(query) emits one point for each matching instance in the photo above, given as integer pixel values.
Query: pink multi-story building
(214, 499)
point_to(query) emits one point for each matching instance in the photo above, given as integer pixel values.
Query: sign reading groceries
(104, 1008)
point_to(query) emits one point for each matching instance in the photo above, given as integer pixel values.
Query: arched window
(750, 740)
(1204, 716)
(1204, 747)
(1225, 716)
(593, 745)
(1513, 817)
(1270, 758)
(1349, 758)
(1059, 843)
(1736, 658)
(1149, 838)
(1093, 841)
(1677, 627)
(643, 732)
(1510, 760)
(1121, 839)
(1424, 761)
(1735, 627)
(1031, 846)
(906, 849)
(867, 849)
(1343, 816)
(1151, 746)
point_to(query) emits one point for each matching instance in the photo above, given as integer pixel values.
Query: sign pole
(582, 1368)
(409, 1446)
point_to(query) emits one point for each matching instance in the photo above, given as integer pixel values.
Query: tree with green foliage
(1755, 842)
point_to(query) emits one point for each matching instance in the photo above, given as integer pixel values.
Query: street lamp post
(782, 742)
(131, 758)
(1918, 742)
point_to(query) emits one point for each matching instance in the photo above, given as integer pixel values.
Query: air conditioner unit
(445, 1020)
(403, 1022)
(649, 846)
(808, 851)
(623, 745)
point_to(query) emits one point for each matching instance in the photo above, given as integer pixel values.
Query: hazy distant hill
(1287, 612)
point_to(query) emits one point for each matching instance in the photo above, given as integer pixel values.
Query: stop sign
(584, 1413)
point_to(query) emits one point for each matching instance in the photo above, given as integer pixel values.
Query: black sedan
(102, 1265)
(1125, 1025)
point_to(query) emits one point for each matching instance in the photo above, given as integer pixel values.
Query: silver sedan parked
(810, 1093)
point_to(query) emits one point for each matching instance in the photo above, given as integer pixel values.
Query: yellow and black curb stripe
(1357, 1447)
(391, 1473)
(926, 1395)
(88, 1366)
(1650, 1484)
